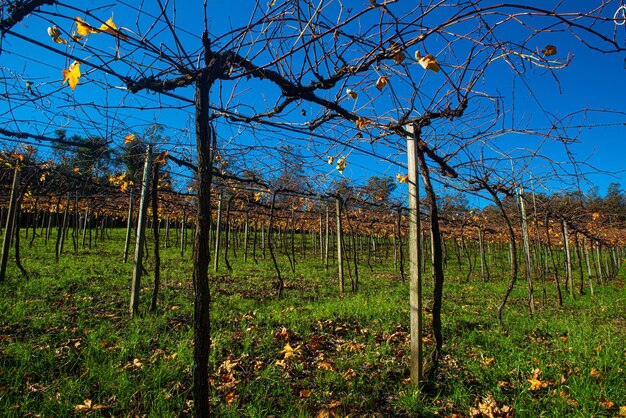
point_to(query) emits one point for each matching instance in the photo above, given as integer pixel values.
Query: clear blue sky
(592, 81)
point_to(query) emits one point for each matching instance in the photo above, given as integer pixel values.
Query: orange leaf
(362, 122)
(72, 74)
(129, 138)
(402, 179)
(606, 403)
(351, 93)
(305, 393)
(162, 158)
(382, 82)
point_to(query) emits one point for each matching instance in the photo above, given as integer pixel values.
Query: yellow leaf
(535, 384)
(129, 138)
(83, 28)
(622, 411)
(595, 373)
(72, 74)
(305, 393)
(351, 93)
(382, 82)
(402, 179)
(428, 62)
(549, 50)
(289, 352)
(110, 27)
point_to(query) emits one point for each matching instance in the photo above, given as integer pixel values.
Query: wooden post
(129, 224)
(339, 245)
(526, 244)
(568, 259)
(415, 273)
(8, 229)
(139, 241)
(218, 229)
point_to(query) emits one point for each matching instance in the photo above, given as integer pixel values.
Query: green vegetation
(67, 345)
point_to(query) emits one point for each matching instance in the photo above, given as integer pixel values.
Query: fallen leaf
(289, 352)
(88, 405)
(324, 366)
(305, 393)
(606, 403)
(622, 411)
(595, 373)
(231, 397)
(536, 384)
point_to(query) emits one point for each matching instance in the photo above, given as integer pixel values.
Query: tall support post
(8, 229)
(568, 258)
(141, 231)
(218, 230)
(129, 224)
(339, 245)
(327, 242)
(415, 273)
(526, 243)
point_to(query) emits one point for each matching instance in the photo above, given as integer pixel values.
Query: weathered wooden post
(8, 230)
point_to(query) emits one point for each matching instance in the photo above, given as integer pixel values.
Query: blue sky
(533, 100)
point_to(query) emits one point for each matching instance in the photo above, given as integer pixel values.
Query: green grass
(65, 337)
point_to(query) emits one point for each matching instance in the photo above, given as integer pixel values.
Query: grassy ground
(68, 347)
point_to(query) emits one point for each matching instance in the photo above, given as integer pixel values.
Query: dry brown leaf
(351, 93)
(606, 403)
(55, 33)
(428, 63)
(403, 179)
(549, 50)
(595, 373)
(324, 366)
(382, 82)
(362, 123)
(399, 57)
(304, 393)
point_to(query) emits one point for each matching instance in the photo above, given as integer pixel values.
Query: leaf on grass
(324, 366)
(351, 93)
(289, 351)
(622, 411)
(88, 405)
(382, 82)
(549, 50)
(595, 373)
(536, 384)
(606, 403)
(72, 74)
(304, 393)
(231, 397)
(349, 374)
